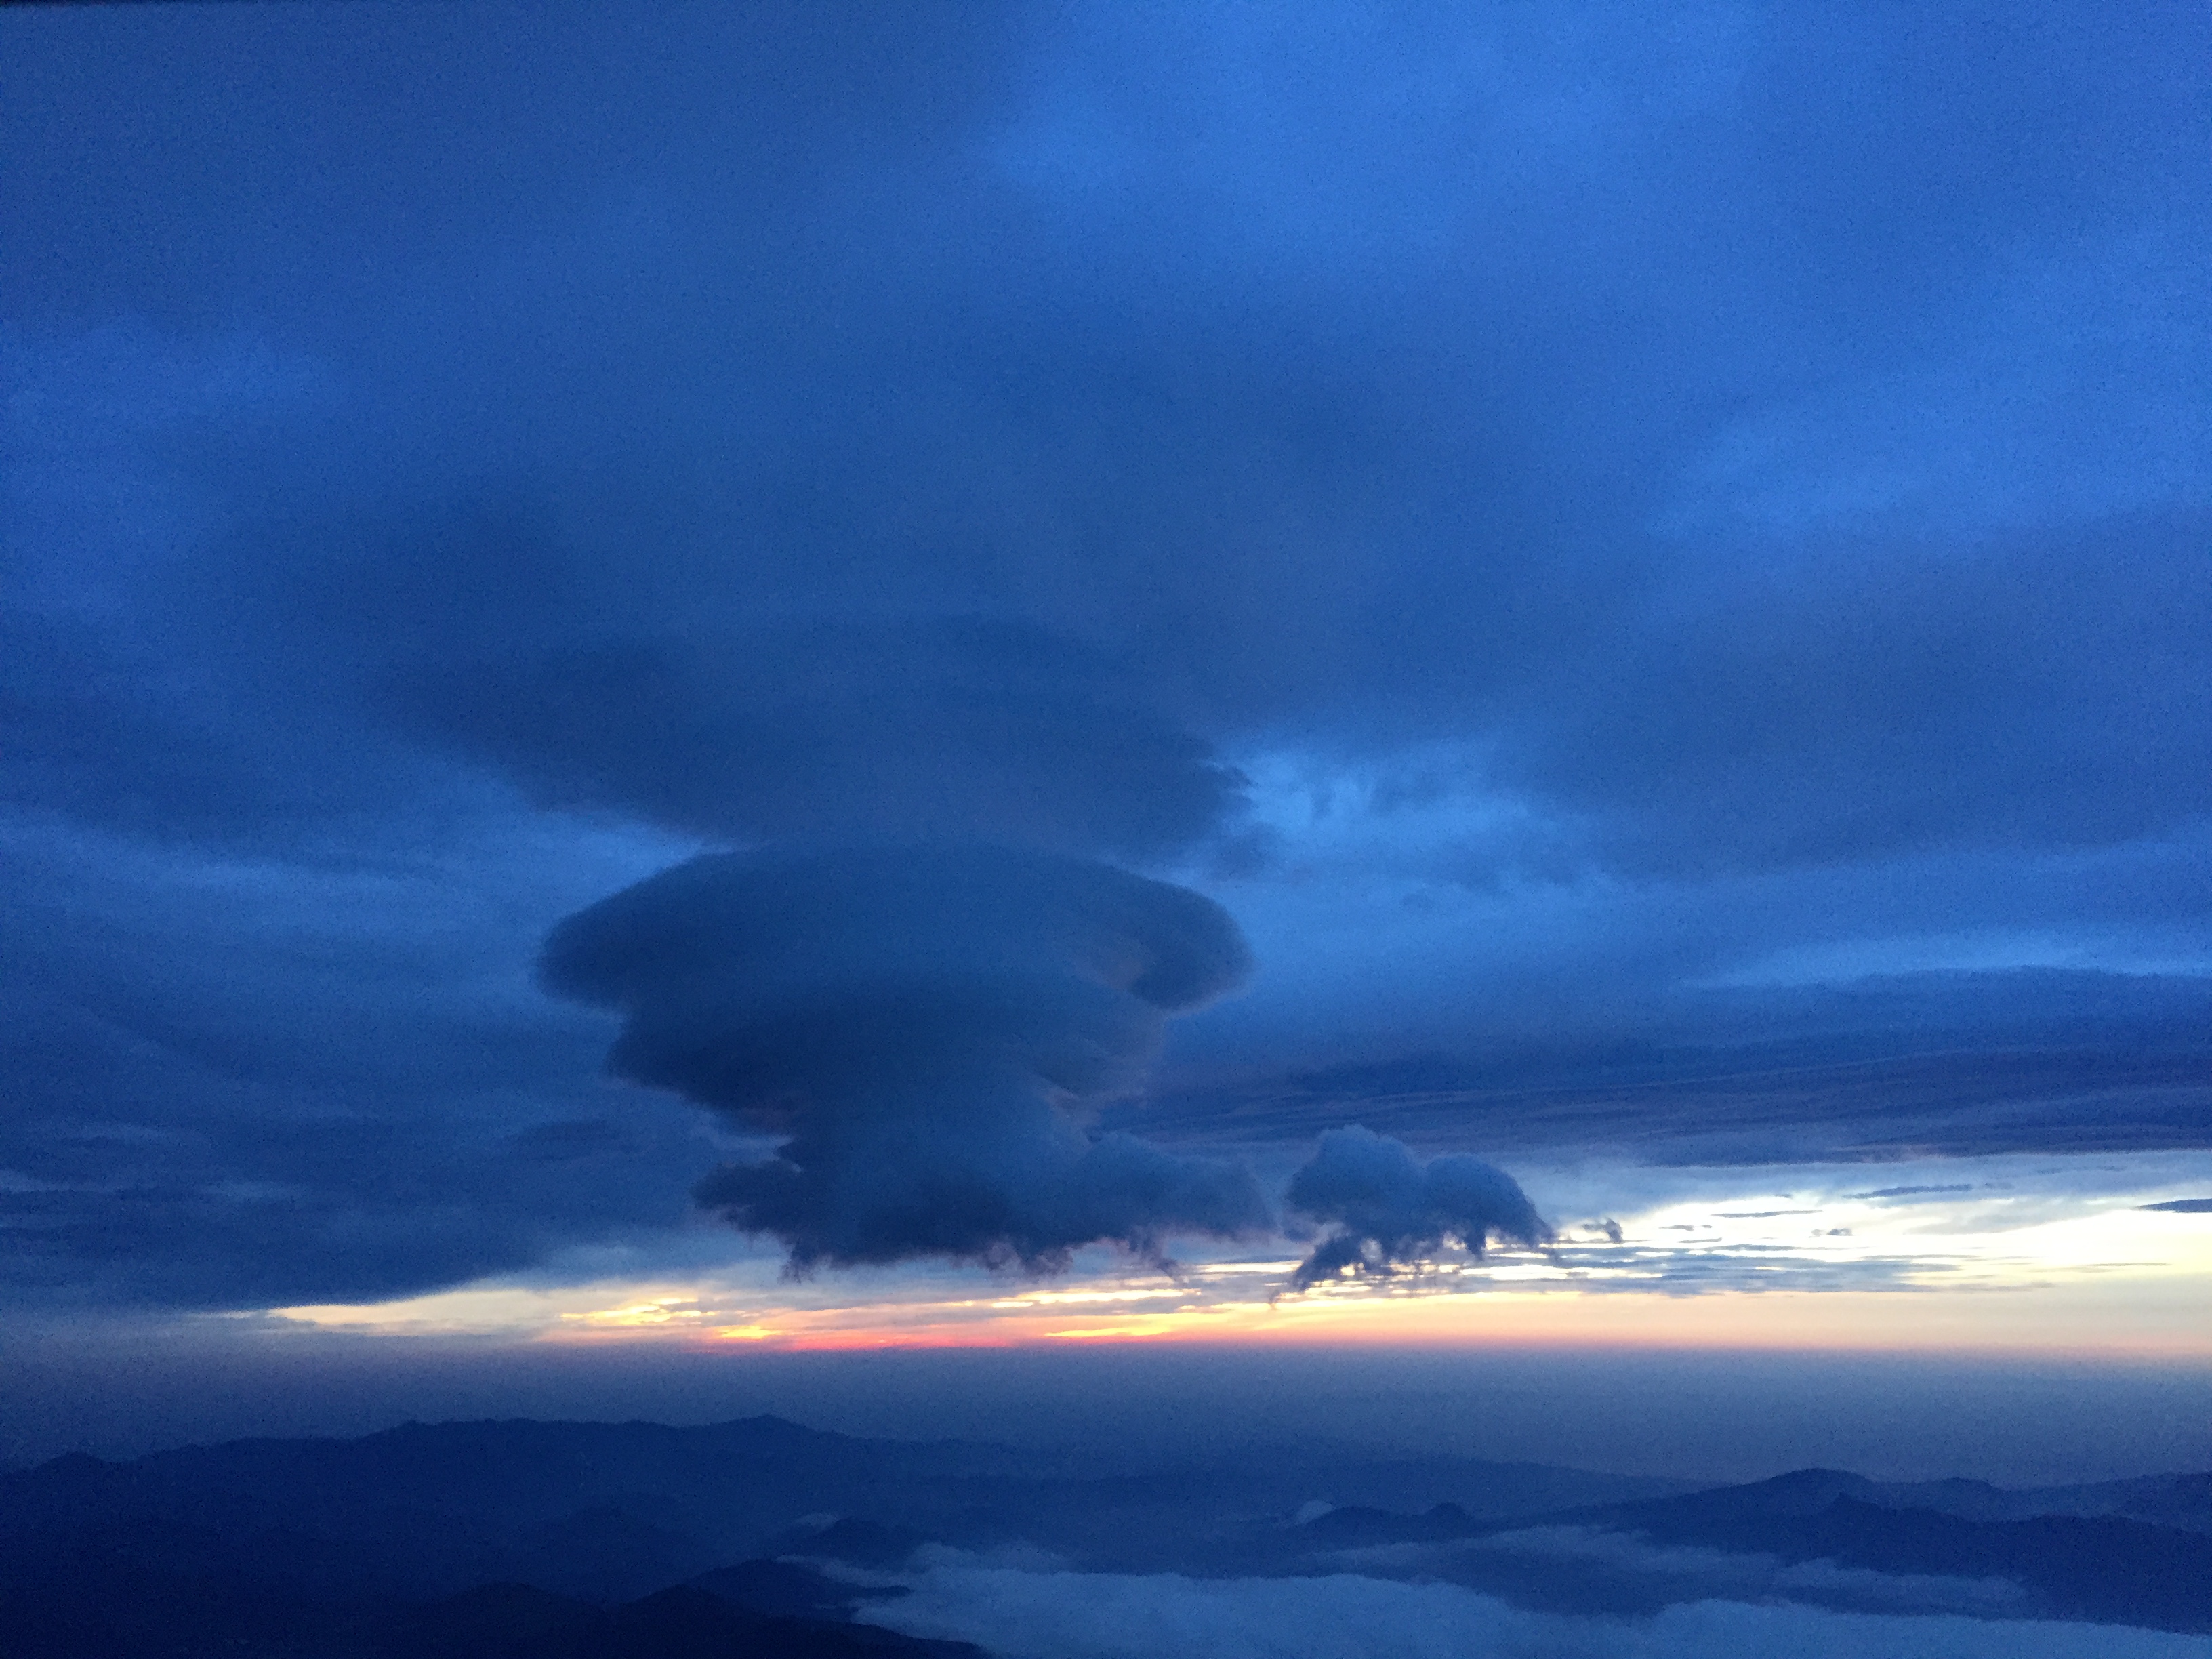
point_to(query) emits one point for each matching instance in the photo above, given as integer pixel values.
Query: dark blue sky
(1652, 561)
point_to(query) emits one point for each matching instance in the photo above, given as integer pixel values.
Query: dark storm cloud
(1754, 457)
(1391, 1210)
(924, 1027)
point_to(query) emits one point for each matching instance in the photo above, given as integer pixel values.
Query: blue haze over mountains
(656, 1542)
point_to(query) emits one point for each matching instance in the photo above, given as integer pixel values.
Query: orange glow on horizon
(2158, 1320)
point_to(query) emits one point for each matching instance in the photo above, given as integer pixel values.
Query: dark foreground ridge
(636, 1540)
(482, 1541)
(151, 1614)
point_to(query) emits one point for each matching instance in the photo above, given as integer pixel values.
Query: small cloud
(1393, 1210)
(1912, 1192)
(1759, 1215)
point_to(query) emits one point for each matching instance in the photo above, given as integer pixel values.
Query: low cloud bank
(1066, 1615)
(1393, 1210)
(928, 1028)
(1568, 1564)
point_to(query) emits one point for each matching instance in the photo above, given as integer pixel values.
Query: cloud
(944, 729)
(873, 458)
(1165, 1616)
(1392, 1210)
(1596, 1568)
(926, 1029)
(1957, 1064)
(1914, 1192)
(235, 1084)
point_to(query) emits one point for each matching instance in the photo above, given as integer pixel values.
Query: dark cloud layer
(964, 727)
(1696, 489)
(236, 1084)
(1968, 1065)
(1010, 425)
(1389, 1209)
(924, 1029)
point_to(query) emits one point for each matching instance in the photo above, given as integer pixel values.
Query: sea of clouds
(1070, 1615)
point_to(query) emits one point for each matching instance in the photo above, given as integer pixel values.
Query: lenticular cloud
(926, 1029)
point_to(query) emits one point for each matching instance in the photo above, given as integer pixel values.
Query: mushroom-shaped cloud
(1392, 1210)
(928, 1028)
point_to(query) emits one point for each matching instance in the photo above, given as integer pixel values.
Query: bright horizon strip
(1967, 1260)
(2159, 1318)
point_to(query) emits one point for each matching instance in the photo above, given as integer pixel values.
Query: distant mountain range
(636, 1540)
(605, 1511)
(2125, 1552)
(2182, 1501)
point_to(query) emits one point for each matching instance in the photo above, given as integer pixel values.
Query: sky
(742, 681)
